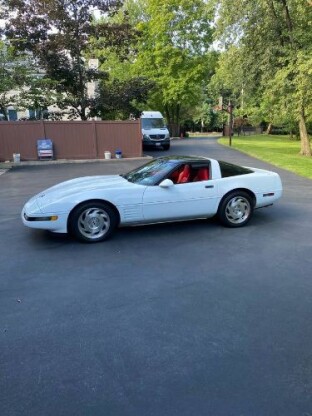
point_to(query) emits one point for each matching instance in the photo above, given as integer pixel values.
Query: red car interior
(202, 175)
(184, 175)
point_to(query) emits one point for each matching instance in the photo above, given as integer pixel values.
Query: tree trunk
(82, 114)
(175, 131)
(304, 138)
(269, 128)
(276, 19)
(172, 113)
(177, 119)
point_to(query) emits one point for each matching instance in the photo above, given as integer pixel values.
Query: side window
(181, 175)
(200, 173)
(229, 169)
(190, 173)
(175, 174)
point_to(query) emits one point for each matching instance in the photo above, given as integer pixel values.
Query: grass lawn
(279, 150)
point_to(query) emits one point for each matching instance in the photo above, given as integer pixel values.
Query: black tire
(166, 147)
(235, 209)
(93, 222)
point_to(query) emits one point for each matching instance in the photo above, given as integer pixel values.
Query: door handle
(209, 186)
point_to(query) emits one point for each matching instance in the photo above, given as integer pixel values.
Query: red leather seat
(175, 176)
(202, 175)
(184, 175)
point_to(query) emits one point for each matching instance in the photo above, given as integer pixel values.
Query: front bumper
(51, 221)
(156, 143)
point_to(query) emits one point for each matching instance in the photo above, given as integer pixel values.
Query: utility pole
(230, 111)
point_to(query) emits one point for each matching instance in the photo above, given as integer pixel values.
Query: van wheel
(166, 147)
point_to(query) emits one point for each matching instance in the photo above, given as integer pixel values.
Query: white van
(154, 130)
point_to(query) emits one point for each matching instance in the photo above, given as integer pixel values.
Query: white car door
(185, 200)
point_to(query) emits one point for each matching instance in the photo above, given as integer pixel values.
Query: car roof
(184, 159)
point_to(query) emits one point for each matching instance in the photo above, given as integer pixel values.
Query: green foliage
(272, 41)
(13, 75)
(39, 94)
(157, 54)
(117, 99)
(173, 52)
(207, 118)
(57, 34)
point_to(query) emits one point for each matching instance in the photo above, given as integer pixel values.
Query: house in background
(15, 114)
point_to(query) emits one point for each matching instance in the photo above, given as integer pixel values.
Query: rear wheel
(236, 209)
(92, 222)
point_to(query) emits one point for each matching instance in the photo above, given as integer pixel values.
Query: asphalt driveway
(185, 319)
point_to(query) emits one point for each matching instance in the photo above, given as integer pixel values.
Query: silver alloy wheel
(237, 210)
(94, 223)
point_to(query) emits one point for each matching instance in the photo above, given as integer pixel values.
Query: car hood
(78, 186)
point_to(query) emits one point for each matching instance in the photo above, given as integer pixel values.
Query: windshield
(151, 173)
(153, 123)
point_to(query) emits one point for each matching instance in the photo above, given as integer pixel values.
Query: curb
(8, 165)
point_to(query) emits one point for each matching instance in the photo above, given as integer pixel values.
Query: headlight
(146, 137)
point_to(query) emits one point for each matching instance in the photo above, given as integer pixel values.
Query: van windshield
(153, 123)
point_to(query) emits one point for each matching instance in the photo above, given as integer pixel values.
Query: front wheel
(236, 209)
(166, 147)
(92, 222)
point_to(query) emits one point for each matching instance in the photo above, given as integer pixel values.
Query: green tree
(58, 33)
(39, 94)
(117, 99)
(173, 52)
(124, 91)
(273, 43)
(13, 75)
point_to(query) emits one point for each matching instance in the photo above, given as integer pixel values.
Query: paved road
(187, 319)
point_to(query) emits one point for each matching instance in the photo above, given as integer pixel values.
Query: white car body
(138, 203)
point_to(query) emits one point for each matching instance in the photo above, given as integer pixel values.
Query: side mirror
(166, 183)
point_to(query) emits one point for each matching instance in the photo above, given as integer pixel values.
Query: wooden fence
(242, 130)
(71, 139)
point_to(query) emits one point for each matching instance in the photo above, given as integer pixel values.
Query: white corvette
(169, 188)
